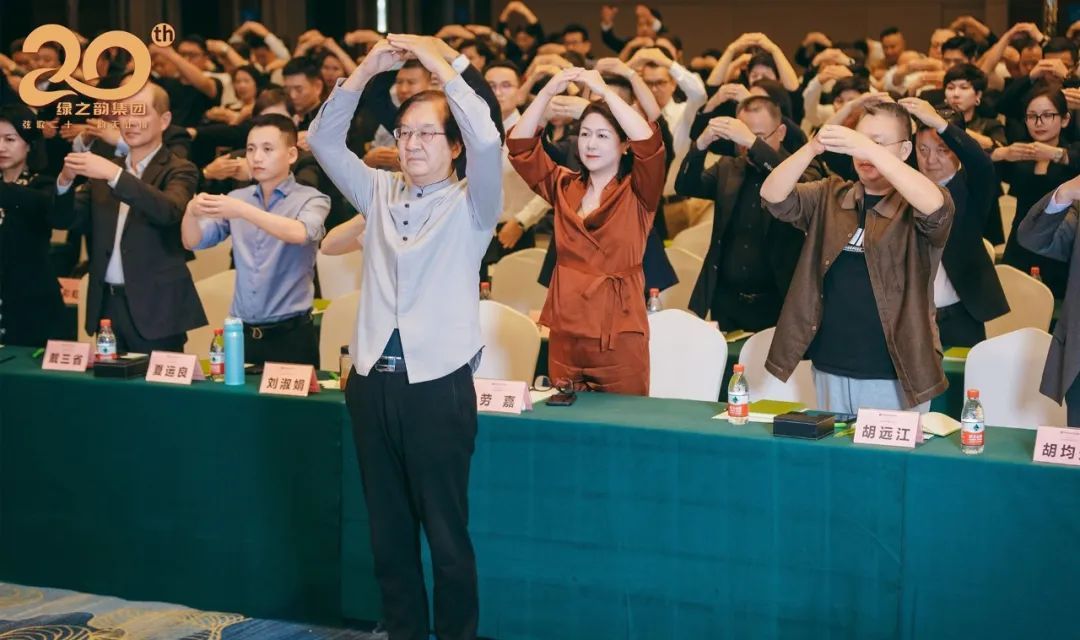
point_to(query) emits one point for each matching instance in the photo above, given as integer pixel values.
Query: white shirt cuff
(1053, 207)
(460, 64)
(61, 189)
(116, 178)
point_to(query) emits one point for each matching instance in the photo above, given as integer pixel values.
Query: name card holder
(502, 396)
(64, 355)
(173, 368)
(888, 428)
(1057, 445)
(295, 380)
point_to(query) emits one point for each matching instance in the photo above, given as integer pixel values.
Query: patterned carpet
(30, 613)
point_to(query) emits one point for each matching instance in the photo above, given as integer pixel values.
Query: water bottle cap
(1035, 271)
(344, 349)
(738, 368)
(654, 292)
(973, 394)
(218, 332)
(105, 322)
(233, 322)
(485, 285)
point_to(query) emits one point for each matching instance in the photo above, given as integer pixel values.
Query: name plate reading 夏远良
(1057, 445)
(63, 355)
(888, 428)
(502, 396)
(297, 380)
(173, 368)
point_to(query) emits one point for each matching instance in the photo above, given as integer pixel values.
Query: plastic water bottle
(654, 301)
(485, 291)
(217, 355)
(972, 425)
(234, 351)
(738, 394)
(106, 342)
(1036, 273)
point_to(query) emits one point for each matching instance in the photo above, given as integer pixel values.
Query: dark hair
(1050, 91)
(889, 31)
(852, 83)
(481, 47)
(893, 110)
(762, 60)
(627, 161)
(16, 115)
(450, 126)
(619, 82)
(55, 47)
(715, 53)
(1024, 41)
(1060, 44)
(194, 39)
(271, 96)
(298, 66)
(503, 64)
(675, 40)
(16, 45)
(260, 78)
(777, 93)
(574, 58)
(254, 42)
(284, 124)
(576, 28)
(963, 44)
(968, 72)
(413, 63)
(761, 103)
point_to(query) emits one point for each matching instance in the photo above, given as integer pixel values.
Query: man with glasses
(860, 302)
(751, 255)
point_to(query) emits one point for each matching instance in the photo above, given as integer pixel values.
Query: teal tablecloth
(614, 518)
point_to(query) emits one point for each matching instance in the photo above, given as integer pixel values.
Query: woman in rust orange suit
(599, 328)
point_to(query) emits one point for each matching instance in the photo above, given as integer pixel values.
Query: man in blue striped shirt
(276, 225)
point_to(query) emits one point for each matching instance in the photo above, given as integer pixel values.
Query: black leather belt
(258, 331)
(114, 289)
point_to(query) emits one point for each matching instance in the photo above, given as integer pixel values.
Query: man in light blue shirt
(276, 225)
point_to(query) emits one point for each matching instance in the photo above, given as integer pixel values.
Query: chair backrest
(990, 249)
(513, 280)
(211, 261)
(695, 239)
(84, 288)
(216, 294)
(687, 356)
(1031, 304)
(1007, 205)
(337, 329)
(766, 386)
(687, 267)
(1007, 371)
(339, 275)
(511, 343)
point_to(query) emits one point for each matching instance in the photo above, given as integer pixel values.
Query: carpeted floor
(31, 613)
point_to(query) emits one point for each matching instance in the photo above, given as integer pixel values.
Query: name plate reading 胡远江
(888, 428)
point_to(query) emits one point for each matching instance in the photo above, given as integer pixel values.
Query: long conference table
(618, 517)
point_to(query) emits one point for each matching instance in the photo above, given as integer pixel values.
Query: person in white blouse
(522, 209)
(411, 393)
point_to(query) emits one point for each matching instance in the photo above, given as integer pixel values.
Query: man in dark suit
(751, 256)
(138, 273)
(967, 291)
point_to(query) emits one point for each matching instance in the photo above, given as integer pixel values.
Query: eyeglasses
(1039, 118)
(770, 134)
(425, 135)
(544, 383)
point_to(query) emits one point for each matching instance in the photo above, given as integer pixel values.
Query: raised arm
(644, 97)
(483, 146)
(786, 72)
(192, 74)
(326, 135)
(1049, 228)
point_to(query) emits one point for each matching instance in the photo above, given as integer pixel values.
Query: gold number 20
(63, 36)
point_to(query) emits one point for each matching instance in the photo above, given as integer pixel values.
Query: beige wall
(714, 23)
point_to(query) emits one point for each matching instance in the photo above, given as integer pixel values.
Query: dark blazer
(158, 285)
(721, 183)
(33, 310)
(965, 261)
(1054, 236)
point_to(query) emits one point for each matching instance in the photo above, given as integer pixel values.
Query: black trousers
(732, 310)
(415, 443)
(128, 338)
(293, 341)
(958, 328)
(1072, 402)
